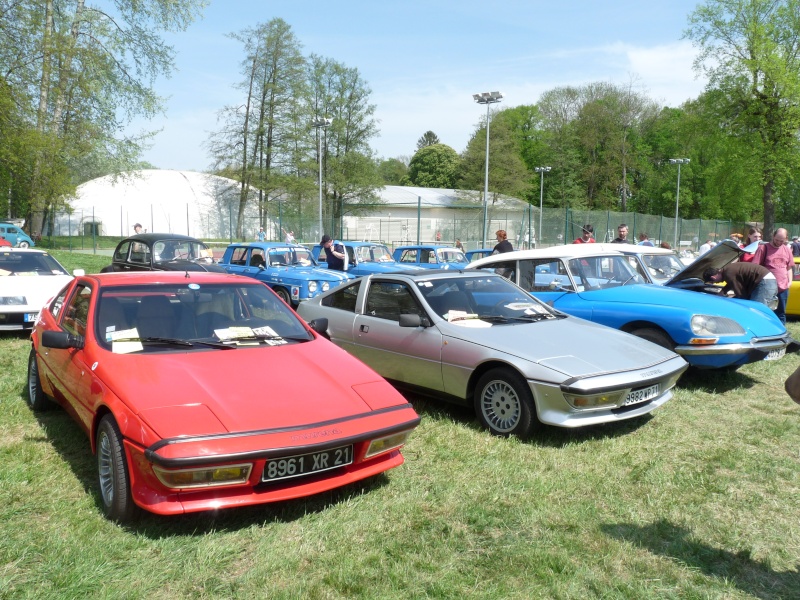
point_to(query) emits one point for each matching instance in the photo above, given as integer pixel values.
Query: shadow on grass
(753, 577)
(546, 436)
(73, 446)
(715, 381)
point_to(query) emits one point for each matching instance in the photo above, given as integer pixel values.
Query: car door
(68, 370)
(406, 354)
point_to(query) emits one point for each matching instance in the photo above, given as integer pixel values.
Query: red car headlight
(204, 477)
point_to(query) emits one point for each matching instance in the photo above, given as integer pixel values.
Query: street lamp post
(679, 162)
(320, 124)
(541, 170)
(487, 98)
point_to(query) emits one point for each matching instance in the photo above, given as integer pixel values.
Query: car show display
(203, 391)
(162, 252)
(431, 256)
(365, 258)
(289, 269)
(474, 338)
(603, 286)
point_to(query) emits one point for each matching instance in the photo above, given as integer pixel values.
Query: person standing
(137, 228)
(586, 235)
(747, 280)
(503, 245)
(795, 246)
(753, 235)
(644, 239)
(261, 235)
(334, 251)
(289, 236)
(622, 235)
(459, 245)
(777, 257)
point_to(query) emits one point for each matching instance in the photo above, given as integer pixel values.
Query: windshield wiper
(265, 338)
(156, 340)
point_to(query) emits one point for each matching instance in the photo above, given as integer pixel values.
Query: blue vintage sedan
(602, 286)
(367, 258)
(289, 269)
(431, 256)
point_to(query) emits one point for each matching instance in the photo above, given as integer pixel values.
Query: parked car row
(145, 362)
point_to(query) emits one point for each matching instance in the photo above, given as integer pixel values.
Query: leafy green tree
(393, 171)
(433, 166)
(428, 139)
(750, 52)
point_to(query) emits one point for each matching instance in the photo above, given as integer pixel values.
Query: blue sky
(424, 60)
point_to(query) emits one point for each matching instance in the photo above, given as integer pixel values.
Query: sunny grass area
(698, 501)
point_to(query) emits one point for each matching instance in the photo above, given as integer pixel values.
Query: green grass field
(699, 500)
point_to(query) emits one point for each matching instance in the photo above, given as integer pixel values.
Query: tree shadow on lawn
(546, 436)
(72, 445)
(754, 577)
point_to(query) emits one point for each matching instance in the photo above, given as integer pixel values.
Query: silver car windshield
(662, 267)
(602, 272)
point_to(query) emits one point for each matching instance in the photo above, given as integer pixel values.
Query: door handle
(364, 328)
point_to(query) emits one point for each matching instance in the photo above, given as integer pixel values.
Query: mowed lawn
(699, 500)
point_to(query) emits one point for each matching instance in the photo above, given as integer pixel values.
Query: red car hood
(207, 392)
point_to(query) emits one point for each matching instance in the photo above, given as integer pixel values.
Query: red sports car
(203, 391)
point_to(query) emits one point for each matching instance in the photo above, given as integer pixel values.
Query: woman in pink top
(777, 257)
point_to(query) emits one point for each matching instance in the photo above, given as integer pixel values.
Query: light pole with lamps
(320, 124)
(487, 98)
(541, 170)
(679, 162)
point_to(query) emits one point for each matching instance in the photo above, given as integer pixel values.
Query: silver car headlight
(596, 401)
(312, 286)
(325, 286)
(715, 326)
(12, 300)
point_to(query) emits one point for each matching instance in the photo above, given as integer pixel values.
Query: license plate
(30, 317)
(775, 354)
(288, 467)
(642, 395)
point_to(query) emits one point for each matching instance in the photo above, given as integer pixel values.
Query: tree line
(73, 74)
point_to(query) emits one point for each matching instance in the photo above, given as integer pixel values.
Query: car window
(77, 311)
(122, 251)
(58, 302)
(239, 256)
(29, 264)
(344, 297)
(507, 269)
(538, 275)
(390, 299)
(452, 256)
(409, 256)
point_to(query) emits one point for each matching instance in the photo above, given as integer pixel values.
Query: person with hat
(586, 235)
(335, 253)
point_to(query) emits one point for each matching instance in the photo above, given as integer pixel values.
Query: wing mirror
(319, 325)
(555, 286)
(61, 340)
(414, 320)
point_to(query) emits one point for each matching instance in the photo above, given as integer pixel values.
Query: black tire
(283, 295)
(504, 404)
(112, 473)
(657, 336)
(37, 399)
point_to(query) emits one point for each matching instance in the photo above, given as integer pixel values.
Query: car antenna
(186, 275)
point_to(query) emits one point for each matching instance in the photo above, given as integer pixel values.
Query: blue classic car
(431, 256)
(602, 286)
(289, 269)
(367, 258)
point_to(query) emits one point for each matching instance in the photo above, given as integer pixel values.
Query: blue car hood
(759, 319)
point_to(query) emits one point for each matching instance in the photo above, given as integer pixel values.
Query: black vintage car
(162, 252)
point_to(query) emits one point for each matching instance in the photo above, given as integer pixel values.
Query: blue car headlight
(325, 286)
(312, 286)
(715, 326)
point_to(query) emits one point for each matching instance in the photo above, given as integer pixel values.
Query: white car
(28, 279)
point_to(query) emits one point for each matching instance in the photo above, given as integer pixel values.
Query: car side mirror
(61, 340)
(414, 320)
(319, 325)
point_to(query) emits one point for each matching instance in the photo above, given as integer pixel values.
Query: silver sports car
(475, 338)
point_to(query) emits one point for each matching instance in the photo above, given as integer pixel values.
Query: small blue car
(431, 256)
(367, 258)
(15, 236)
(289, 269)
(603, 286)
(473, 255)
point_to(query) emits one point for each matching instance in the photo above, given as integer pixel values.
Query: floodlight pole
(487, 98)
(679, 162)
(320, 124)
(541, 170)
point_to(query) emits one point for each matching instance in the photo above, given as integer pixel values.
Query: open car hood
(720, 255)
